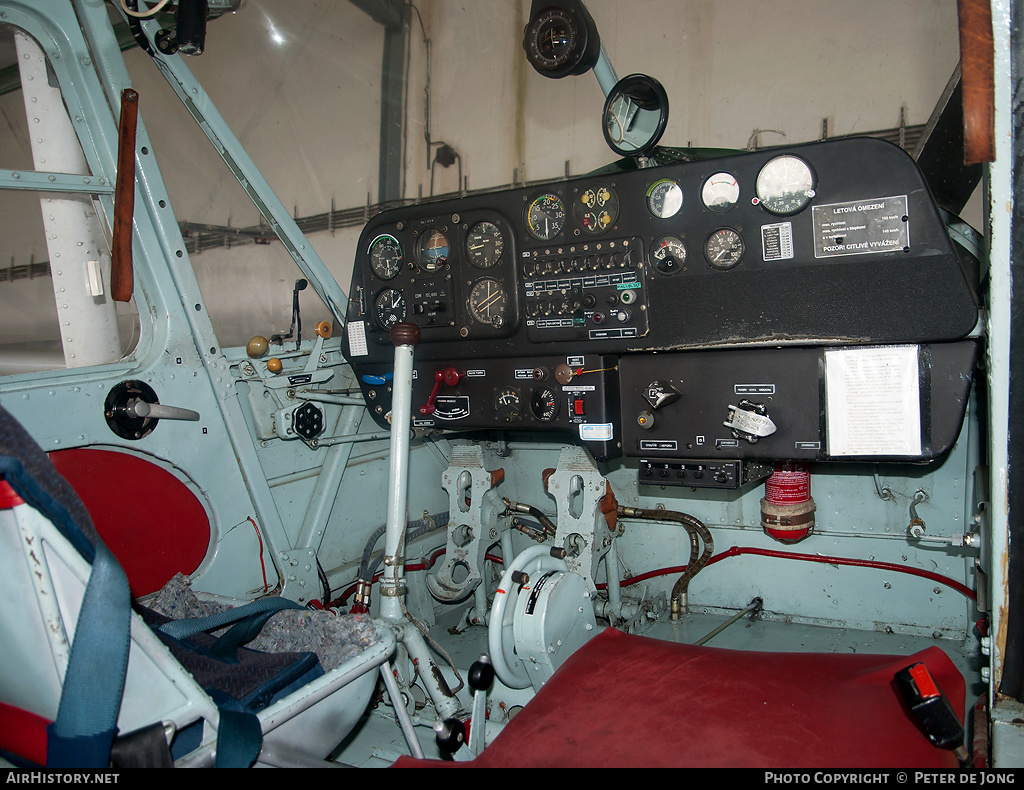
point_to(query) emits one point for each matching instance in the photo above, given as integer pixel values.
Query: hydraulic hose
(694, 528)
(414, 530)
(519, 507)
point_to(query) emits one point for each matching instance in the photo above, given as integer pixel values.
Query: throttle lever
(449, 377)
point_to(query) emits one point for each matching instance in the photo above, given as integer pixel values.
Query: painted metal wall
(299, 83)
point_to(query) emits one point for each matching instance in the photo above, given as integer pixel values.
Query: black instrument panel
(827, 244)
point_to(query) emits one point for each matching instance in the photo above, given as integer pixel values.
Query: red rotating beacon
(787, 508)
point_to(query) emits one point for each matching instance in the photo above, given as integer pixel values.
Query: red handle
(449, 377)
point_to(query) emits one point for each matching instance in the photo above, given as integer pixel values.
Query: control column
(404, 337)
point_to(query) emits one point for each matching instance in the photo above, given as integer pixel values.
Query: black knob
(450, 735)
(481, 674)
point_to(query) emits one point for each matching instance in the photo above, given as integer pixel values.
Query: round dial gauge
(488, 302)
(724, 248)
(509, 405)
(597, 209)
(785, 185)
(484, 245)
(551, 39)
(664, 198)
(432, 250)
(544, 404)
(720, 192)
(386, 256)
(545, 217)
(390, 307)
(668, 254)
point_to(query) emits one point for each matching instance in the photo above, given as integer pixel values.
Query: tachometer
(389, 307)
(785, 185)
(724, 248)
(432, 250)
(488, 302)
(484, 245)
(545, 216)
(386, 256)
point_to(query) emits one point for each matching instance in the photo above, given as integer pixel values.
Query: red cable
(262, 564)
(736, 551)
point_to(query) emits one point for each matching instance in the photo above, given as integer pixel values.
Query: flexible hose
(417, 528)
(695, 528)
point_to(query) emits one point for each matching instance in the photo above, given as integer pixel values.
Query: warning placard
(861, 227)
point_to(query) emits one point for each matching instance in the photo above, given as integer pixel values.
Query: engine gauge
(484, 245)
(488, 302)
(432, 250)
(390, 308)
(545, 216)
(664, 198)
(724, 248)
(668, 254)
(597, 209)
(785, 185)
(720, 192)
(509, 405)
(544, 404)
(386, 256)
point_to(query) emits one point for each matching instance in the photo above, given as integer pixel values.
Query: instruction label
(777, 241)
(861, 227)
(873, 401)
(357, 339)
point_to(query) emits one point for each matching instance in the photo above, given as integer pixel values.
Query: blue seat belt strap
(239, 739)
(86, 723)
(254, 613)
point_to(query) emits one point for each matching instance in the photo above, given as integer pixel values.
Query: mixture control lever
(448, 377)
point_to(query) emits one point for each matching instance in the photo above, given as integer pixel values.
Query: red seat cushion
(149, 519)
(631, 701)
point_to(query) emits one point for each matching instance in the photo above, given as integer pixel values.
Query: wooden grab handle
(977, 67)
(121, 275)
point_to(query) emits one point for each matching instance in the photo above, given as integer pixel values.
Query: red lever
(449, 377)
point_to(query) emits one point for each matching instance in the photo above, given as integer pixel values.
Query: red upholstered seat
(631, 701)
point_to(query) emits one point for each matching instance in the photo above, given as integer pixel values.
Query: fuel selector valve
(448, 377)
(658, 394)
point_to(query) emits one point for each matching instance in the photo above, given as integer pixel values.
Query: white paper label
(873, 401)
(357, 339)
(600, 432)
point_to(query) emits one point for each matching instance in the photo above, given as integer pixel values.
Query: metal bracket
(299, 578)
(470, 526)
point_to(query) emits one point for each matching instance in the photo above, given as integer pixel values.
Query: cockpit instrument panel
(831, 244)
